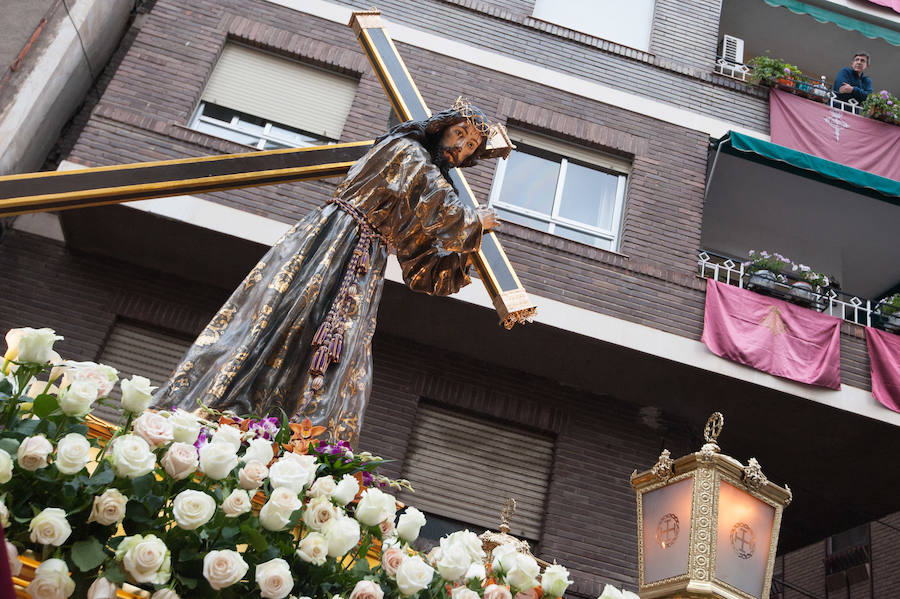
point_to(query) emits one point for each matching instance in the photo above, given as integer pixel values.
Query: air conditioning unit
(733, 49)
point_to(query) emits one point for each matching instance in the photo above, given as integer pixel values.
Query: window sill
(561, 243)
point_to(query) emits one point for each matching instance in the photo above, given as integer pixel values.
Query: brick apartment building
(626, 100)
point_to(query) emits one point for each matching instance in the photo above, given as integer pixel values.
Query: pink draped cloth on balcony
(833, 134)
(894, 4)
(772, 335)
(884, 364)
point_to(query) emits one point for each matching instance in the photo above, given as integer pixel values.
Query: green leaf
(102, 476)
(88, 554)
(189, 583)
(27, 427)
(142, 485)
(114, 574)
(44, 405)
(361, 567)
(254, 537)
(10, 446)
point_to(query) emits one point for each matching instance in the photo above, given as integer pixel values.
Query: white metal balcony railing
(829, 301)
(819, 90)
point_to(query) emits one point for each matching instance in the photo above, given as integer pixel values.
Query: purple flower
(884, 94)
(265, 428)
(367, 479)
(890, 103)
(201, 439)
(787, 71)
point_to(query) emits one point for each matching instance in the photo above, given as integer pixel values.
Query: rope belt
(329, 338)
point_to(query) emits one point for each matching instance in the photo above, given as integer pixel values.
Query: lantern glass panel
(666, 530)
(744, 534)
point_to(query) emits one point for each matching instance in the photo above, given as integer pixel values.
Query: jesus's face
(459, 141)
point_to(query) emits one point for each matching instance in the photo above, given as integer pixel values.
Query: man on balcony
(851, 82)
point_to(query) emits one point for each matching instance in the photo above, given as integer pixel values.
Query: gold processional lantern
(707, 525)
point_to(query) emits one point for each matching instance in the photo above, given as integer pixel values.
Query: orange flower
(303, 434)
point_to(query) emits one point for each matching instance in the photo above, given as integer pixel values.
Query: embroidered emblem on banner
(772, 321)
(836, 121)
(743, 540)
(667, 530)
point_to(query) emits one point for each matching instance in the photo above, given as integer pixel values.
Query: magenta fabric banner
(834, 134)
(884, 364)
(772, 335)
(895, 4)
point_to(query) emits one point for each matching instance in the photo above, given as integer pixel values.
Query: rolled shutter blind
(281, 90)
(133, 349)
(463, 467)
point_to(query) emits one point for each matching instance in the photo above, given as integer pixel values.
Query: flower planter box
(763, 279)
(785, 82)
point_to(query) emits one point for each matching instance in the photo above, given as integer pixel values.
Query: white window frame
(266, 136)
(599, 162)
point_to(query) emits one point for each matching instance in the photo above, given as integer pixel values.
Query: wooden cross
(64, 190)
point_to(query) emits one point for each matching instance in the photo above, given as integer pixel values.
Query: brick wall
(686, 30)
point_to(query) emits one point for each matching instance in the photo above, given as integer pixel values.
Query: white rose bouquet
(221, 507)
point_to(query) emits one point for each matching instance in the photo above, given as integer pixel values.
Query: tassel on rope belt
(329, 338)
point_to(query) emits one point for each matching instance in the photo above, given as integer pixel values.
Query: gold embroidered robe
(253, 357)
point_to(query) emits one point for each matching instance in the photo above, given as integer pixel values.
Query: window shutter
(464, 468)
(133, 349)
(281, 90)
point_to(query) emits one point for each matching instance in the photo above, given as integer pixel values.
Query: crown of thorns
(472, 115)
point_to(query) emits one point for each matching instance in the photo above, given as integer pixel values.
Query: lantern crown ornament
(707, 524)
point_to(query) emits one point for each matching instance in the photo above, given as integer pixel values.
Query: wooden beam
(506, 291)
(63, 190)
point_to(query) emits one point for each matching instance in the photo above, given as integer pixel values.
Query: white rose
(523, 575)
(293, 471)
(555, 580)
(497, 591)
(610, 592)
(629, 595)
(504, 557)
(181, 460)
(50, 527)
(102, 588)
(274, 579)
(33, 452)
(145, 558)
(51, 581)
(367, 589)
(346, 490)
(252, 475)
(453, 561)
(185, 427)
(131, 457)
(237, 503)
(223, 568)
(409, 524)
(6, 467)
(4, 515)
(72, 453)
(324, 486)
(413, 575)
(15, 564)
(463, 593)
(475, 572)
(76, 399)
(277, 511)
(217, 460)
(137, 394)
(375, 507)
(342, 535)
(313, 548)
(193, 509)
(318, 513)
(104, 377)
(260, 451)
(153, 428)
(38, 387)
(229, 435)
(165, 594)
(109, 508)
(31, 345)
(467, 539)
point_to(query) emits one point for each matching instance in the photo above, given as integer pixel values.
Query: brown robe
(253, 357)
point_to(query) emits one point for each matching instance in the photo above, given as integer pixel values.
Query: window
(262, 100)
(626, 23)
(561, 189)
(463, 468)
(134, 349)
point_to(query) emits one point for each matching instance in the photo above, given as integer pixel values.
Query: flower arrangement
(883, 106)
(185, 507)
(768, 70)
(779, 264)
(890, 305)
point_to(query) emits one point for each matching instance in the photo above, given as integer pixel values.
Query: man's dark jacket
(862, 85)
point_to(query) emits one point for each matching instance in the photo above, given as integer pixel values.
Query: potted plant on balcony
(889, 308)
(765, 269)
(809, 286)
(882, 106)
(771, 71)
